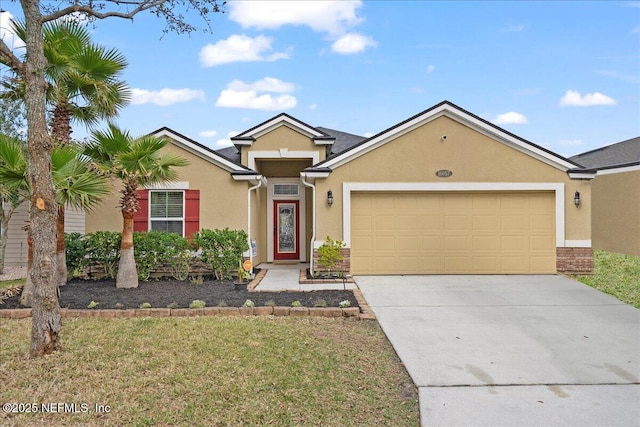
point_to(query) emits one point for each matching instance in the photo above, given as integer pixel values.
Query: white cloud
(251, 95)
(510, 118)
(352, 43)
(368, 134)
(514, 28)
(313, 107)
(268, 84)
(208, 133)
(239, 48)
(573, 99)
(226, 142)
(6, 32)
(430, 68)
(165, 96)
(333, 17)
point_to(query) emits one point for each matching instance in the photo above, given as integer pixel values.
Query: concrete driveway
(512, 350)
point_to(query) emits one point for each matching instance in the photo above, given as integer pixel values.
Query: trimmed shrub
(222, 249)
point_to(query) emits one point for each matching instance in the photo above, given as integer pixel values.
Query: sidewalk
(285, 277)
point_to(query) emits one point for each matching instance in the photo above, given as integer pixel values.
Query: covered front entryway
(453, 232)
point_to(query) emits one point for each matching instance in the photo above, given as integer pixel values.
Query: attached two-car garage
(453, 232)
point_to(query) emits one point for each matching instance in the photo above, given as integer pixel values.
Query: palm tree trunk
(61, 253)
(127, 272)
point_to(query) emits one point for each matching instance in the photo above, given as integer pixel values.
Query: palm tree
(137, 163)
(14, 185)
(83, 78)
(78, 185)
(83, 85)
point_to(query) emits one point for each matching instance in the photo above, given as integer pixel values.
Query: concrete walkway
(286, 277)
(512, 350)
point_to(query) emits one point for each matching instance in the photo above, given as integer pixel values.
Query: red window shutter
(141, 218)
(191, 212)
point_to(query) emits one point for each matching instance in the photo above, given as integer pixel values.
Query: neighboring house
(443, 192)
(16, 252)
(615, 218)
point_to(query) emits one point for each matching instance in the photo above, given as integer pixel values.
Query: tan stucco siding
(470, 155)
(223, 201)
(282, 168)
(282, 137)
(258, 224)
(616, 212)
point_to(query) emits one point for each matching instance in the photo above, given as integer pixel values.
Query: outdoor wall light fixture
(330, 197)
(576, 199)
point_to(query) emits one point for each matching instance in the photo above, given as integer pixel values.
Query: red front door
(286, 227)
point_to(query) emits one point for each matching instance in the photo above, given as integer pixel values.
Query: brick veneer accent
(574, 260)
(344, 266)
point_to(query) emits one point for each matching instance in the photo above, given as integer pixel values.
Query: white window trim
(184, 207)
(350, 187)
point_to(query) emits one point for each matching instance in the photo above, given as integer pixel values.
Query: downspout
(303, 176)
(261, 182)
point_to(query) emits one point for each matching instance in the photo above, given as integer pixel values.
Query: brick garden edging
(350, 312)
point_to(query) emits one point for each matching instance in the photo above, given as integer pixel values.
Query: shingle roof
(230, 153)
(344, 140)
(620, 153)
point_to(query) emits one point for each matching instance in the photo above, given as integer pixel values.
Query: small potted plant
(242, 279)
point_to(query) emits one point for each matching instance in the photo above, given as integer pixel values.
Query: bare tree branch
(10, 59)
(90, 11)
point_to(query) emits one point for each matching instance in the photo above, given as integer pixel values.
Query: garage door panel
(457, 233)
(458, 265)
(407, 223)
(384, 243)
(456, 243)
(362, 223)
(541, 222)
(514, 264)
(540, 243)
(456, 222)
(482, 222)
(485, 243)
(408, 243)
(513, 243)
(485, 264)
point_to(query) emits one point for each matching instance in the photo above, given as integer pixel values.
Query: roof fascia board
(199, 151)
(459, 116)
(587, 175)
(280, 121)
(619, 169)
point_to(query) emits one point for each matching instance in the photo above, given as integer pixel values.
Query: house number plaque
(444, 173)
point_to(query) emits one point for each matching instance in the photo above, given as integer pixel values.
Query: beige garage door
(453, 233)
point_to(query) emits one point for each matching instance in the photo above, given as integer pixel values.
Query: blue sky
(564, 75)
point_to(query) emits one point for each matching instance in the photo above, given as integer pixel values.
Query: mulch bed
(77, 294)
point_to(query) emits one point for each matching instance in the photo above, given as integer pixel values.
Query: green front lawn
(210, 371)
(617, 275)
